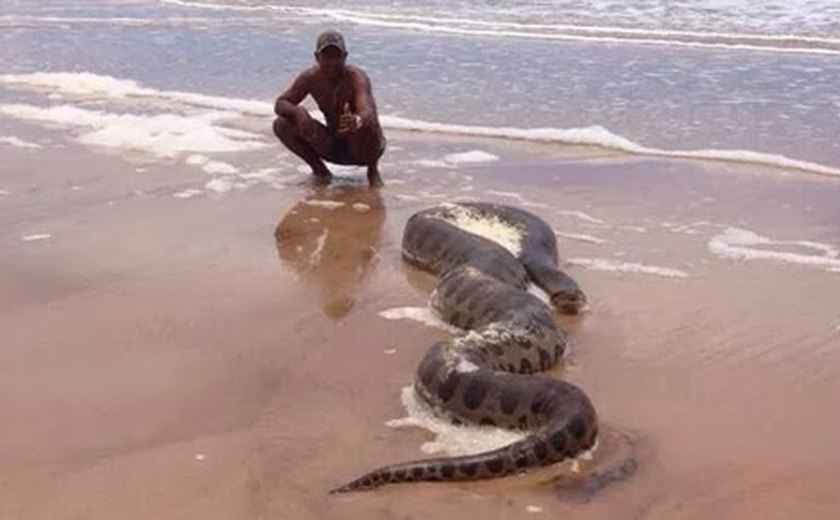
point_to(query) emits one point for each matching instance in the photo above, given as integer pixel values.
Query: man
(352, 134)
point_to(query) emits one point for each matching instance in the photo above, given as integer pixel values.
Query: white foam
(534, 509)
(262, 175)
(162, 135)
(17, 142)
(78, 83)
(475, 26)
(601, 137)
(518, 197)
(187, 194)
(606, 264)
(105, 86)
(450, 439)
(473, 156)
(197, 160)
(465, 367)
(361, 207)
(328, 204)
(88, 84)
(635, 229)
(433, 163)
(489, 227)
(220, 185)
(219, 168)
(424, 315)
(36, 237)
(62, 21)
(735, 243)
(580, 237)
(581, 215)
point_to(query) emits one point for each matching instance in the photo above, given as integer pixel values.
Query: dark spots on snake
(497, 349)
(542, 403)
(456, 318)
(509, 400)
(447, 470)
(417, 472)
(475, 393)
(577, 428)
(366, 482)
(525, 367)
(559, 349)
(522, 422)
(471, 305)
(545, 359)
(511, 368)
(540, 450)
(523, 342)
(429, 369)
(468, 468)
(447, 388)
(521, 460)
(456, 422)
(495, 465)
(486, 421)
(558, 441)
(399, 474)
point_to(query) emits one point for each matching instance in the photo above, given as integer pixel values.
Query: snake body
(486, 376)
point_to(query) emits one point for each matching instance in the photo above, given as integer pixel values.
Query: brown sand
(163, 359)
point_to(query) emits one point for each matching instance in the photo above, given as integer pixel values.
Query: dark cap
(330, 39)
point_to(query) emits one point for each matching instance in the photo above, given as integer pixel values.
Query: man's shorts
(341, 153)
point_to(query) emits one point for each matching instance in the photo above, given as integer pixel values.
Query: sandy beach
(167, 357)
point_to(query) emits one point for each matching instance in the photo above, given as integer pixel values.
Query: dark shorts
(341, 152)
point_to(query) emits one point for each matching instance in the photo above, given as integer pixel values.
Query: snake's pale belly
(488, 375)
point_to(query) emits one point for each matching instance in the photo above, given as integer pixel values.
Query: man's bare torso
(330, 97)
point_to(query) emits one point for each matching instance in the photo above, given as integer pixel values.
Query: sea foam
(229, 139)
(606, 264)
(738, 243)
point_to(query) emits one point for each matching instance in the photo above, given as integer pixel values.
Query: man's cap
(330, 39)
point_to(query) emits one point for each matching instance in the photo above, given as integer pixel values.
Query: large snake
(485, 376)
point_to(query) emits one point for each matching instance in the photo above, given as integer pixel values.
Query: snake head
(569, 301)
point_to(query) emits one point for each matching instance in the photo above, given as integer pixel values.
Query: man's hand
(348, 122)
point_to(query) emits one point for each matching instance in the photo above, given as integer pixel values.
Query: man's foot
(322, 174)
(374, 179)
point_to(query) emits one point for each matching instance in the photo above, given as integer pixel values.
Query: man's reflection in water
(330, 240)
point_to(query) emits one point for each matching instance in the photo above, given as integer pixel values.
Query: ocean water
(730, 80)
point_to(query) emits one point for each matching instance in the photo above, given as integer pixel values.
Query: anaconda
(486, 375)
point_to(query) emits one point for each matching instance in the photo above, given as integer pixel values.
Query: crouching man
(352, 135)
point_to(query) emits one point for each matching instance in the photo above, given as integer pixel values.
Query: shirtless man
(352, 134)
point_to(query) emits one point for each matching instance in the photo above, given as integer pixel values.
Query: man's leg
(367, 146)
(310, 144)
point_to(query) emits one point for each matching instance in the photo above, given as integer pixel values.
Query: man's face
(331, 61)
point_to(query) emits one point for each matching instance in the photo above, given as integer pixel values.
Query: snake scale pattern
(486, 375)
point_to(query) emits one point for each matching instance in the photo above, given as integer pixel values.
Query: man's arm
(288, 100)
(363, 99)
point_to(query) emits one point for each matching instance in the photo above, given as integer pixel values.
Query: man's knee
(282, 127)
(368, 144)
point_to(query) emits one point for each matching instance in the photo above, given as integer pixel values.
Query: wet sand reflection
(330, 240)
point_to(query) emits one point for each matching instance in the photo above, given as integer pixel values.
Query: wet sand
(166, 358)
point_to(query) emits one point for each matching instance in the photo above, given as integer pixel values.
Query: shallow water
(666, 96)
